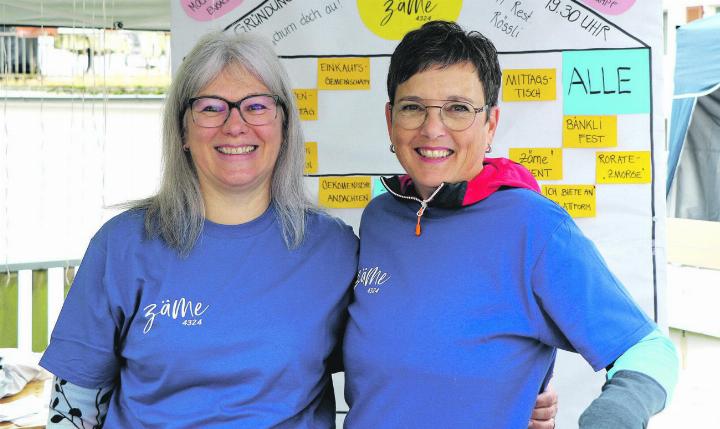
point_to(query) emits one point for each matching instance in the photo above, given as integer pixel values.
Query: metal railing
(18, 55)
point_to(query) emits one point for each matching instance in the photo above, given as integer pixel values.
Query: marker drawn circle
(615, 7)
(392, 19)
(207, 10)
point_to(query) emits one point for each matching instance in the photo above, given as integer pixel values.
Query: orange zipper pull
(419, 215)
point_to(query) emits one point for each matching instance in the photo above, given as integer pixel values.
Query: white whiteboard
(352, 139)
(530, 34)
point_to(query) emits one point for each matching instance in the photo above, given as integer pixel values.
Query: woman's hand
(543, 415)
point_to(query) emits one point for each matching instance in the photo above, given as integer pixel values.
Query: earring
(489, 148)
(392, 148)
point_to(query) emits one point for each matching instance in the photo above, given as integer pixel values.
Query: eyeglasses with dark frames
(212, 111)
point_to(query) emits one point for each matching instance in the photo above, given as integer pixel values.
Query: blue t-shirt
(235, 335)
(458, 327)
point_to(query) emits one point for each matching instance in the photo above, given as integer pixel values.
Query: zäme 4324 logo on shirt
(371, 279)
(184, 310)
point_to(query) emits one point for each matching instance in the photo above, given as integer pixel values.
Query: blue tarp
(697, 73)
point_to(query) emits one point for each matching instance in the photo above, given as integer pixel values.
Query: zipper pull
(419, 215)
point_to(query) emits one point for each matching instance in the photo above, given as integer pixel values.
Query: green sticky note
(606, 82)
(377, 187)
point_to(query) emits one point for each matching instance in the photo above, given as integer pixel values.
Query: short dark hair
(442, 44)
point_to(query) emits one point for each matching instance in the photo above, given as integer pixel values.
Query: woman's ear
(388, 118)
(492, 122)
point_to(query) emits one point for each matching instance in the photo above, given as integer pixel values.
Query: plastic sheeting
(695, 194)
(697, 74)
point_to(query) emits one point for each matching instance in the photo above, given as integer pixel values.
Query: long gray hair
(176, 213)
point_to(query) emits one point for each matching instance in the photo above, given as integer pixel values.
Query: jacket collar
(497, 174)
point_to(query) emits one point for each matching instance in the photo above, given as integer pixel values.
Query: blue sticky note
(377, 187)
(606, 82)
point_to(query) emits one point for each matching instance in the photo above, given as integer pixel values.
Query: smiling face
(433, 153)
(234, 159)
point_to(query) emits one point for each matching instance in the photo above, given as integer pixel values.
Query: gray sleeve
(627, 401)
(73, 406)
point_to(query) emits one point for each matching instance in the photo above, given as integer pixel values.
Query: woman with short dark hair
(481, 278)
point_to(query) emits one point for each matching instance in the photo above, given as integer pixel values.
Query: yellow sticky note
(577, 200)
(344, 73)
(623, 167)
(590, 131)
(529, 85)
(311, 157)
(307, 103)
(543, 163)
(345, 192)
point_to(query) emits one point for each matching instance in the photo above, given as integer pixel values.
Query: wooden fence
(30, 300)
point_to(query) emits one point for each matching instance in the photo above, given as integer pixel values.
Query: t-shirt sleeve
(82, 345)
(589, 308)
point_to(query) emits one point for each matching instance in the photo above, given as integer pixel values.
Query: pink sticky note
(610, 7)
(205, 10)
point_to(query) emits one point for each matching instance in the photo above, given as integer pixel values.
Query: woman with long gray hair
(218, 301)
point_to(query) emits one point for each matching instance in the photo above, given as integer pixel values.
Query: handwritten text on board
(307, 103)
(205, 10)
(606, 82)
(586, 21)
(392, 19)
(610, 7)
(577, 200)
(543, 163)
(623, 167)
(529, 85)
(344, 73)
(311, 158)
(590, 131)
(345, 192)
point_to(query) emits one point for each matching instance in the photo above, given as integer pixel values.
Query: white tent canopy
(128, 14)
